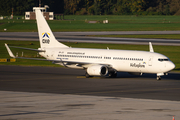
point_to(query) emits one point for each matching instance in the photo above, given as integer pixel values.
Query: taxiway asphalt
(72, 81)
(82, 37)
(46, 93)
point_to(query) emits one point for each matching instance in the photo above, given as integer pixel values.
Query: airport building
(32, 16)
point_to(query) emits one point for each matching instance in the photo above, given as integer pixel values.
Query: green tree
(97, 7)
(174, 6)
(106, 6)
(19, 6)
(70, 6)
(97, 10)
(5, 7)
(56, 6)
(136, 6)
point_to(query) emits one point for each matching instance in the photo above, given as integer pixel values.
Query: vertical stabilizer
(46, 36)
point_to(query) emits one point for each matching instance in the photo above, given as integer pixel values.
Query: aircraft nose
(171, 66)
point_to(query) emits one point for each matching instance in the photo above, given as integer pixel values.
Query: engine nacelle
(97, 70)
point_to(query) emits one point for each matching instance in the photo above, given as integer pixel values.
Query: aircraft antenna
(151, 47)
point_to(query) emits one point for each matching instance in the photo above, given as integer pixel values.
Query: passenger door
(150, 62)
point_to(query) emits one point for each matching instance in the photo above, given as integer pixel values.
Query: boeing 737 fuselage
(98, 62)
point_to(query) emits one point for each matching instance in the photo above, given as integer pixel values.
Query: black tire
(113, 75)
(87, 75)
(158, 78)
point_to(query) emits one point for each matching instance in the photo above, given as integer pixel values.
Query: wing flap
(56, 61)
(79, 64)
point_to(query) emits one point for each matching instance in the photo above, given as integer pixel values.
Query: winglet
(9, 51)
(151, 47)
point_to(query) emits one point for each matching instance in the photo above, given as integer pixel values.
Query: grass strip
(80, 23)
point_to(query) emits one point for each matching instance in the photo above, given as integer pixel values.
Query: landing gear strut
(87, 75)
(113, 74)
(158, 77)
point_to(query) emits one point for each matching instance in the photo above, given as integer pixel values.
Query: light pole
(12, 14)
(39, 3)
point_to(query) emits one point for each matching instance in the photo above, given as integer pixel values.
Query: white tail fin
(46, 36)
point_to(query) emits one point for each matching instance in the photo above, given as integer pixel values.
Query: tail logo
(45, 38)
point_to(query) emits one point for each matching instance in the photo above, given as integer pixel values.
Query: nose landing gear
(158, 77)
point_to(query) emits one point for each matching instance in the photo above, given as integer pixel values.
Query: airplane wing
(27, 48)
(9, 51)
(80, 64)
(57, 61)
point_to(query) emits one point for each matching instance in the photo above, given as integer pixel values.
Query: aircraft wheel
(113, 75)
(87, 75)
(158, 78)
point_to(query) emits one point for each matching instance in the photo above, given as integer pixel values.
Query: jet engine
(97, 70)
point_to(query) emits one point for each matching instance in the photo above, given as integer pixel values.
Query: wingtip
(151, 47)
(9, 51)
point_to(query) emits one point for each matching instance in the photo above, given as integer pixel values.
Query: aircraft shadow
(170, 76)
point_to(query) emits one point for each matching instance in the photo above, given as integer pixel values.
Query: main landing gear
(113, 74)
(87, 75)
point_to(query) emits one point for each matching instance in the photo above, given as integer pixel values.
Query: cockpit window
(161, 60)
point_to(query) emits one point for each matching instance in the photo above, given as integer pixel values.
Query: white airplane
(98, 62)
